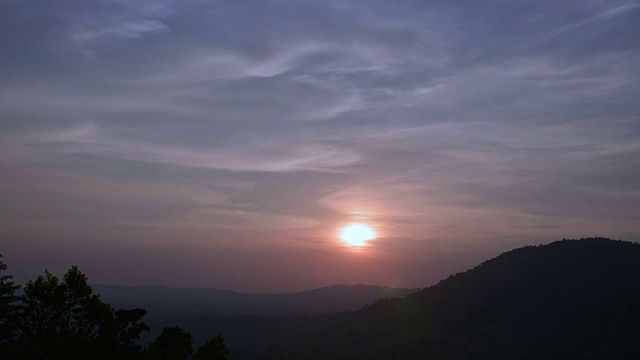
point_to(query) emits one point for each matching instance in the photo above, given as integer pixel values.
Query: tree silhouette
(172, 344)
(64, 320)
(8, 310)
(130, 326)
(214, 349)
(57, 320)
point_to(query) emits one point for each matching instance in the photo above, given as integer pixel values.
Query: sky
(224, 144)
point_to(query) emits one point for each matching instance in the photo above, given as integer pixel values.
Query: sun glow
(357, 234)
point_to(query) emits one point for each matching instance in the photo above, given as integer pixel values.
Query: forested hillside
(572, 299)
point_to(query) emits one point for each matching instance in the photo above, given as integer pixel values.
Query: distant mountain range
(165, 301)
(236, 315)
(571, 299)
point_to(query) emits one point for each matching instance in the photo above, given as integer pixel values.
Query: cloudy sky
(224, 144)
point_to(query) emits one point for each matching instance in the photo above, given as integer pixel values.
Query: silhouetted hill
(572, 299)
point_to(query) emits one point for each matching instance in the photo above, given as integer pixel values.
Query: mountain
(167, 301)
(571, 299)
(238, 316)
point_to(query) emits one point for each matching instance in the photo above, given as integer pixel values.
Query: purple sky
(223, 144)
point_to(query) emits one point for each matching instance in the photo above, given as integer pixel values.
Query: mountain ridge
(570, 299)
(334, 286)
(167, 301)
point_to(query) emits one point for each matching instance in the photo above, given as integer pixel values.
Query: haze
(224, 144)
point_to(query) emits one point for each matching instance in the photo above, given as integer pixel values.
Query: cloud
(607, 13)
(126, 30)
(257, 156)
(233, 124)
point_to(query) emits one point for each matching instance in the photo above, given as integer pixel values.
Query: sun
(357, 234)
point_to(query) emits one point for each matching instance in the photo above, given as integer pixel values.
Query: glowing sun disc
(357, 234)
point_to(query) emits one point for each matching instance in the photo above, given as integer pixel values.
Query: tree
(173, 344)
(65, 320)
(8, 310)
(130, 326)
(214, 349)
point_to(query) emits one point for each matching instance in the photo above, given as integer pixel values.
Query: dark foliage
(8, 311)
(130, 326)
(62, 319)
(214, 349)
(65, 320)
(56, 319)
(173, 344)
(572, 299)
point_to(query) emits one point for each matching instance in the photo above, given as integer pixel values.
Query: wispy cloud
(127, 30)
(606, 13)
(255, 156)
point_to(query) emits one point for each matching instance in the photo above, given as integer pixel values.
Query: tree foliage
(56, 319)
(130, 326)
(214, 349)
(65, 320)
(8, 310)
(172, 344)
